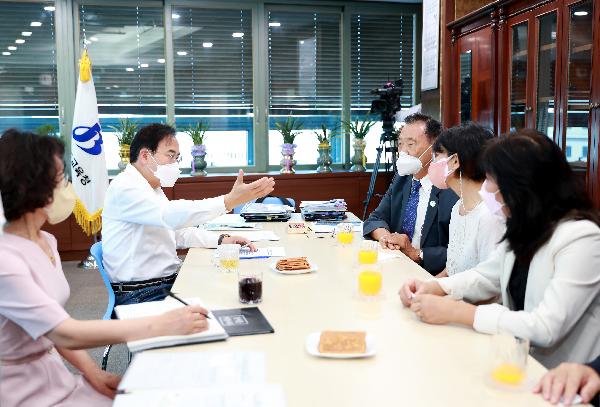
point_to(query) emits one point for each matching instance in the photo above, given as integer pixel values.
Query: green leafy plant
(125, 131)
(358, 129)
(198, 132)
(47, 130)
(322, 135)
(289, 129)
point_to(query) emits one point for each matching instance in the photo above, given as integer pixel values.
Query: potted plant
(324, 161)
(125, 132)
(198, 133)
(359, 131)
(289, 130)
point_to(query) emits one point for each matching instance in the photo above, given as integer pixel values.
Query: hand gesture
(242, 241)
(566, 380)
(241, 193)
(416, 287)
(395, 241)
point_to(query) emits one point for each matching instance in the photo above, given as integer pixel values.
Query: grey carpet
(88, 301)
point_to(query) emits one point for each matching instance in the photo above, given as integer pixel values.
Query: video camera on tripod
(386, 106)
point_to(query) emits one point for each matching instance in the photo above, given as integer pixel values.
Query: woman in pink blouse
(35, 330)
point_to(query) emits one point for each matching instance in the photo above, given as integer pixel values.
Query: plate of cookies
(341, 344)
(293, 265)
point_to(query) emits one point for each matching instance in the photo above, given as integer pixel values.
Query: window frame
(68, 52)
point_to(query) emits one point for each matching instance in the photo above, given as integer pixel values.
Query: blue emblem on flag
(84, 134)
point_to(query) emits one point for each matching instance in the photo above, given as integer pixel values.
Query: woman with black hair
(474, 231)
(35, 329)
(546, 269)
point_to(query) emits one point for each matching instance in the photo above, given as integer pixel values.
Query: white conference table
(416, 364)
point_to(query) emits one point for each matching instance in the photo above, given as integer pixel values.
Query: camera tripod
(387, 137)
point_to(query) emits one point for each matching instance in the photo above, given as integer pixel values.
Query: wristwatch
(221, 237)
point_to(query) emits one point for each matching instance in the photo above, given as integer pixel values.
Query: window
(382, 50)
(126, 46)
(304, 79)
(212, 49)
(28, 87)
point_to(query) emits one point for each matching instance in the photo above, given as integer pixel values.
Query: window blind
(213, 61)
(304, 63)
(382, 49)
(126, 46)
(28, 89)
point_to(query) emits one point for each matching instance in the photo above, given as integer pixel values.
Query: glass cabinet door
(546, 74)
(465, 86)
(579, 71)
(518, 79)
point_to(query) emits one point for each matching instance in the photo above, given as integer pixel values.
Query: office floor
(88, 301)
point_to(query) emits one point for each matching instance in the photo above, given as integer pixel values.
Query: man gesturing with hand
(142, 229)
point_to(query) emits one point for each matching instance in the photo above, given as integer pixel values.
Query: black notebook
(243, 321)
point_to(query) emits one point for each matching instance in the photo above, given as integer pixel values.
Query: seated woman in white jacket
(474, 230)
(546, 269)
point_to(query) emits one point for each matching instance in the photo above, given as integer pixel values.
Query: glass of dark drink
(250, 286)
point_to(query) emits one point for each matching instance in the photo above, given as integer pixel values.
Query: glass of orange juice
(509, 360)
(369, 281)
(229, 257)
(344, 233)
(367, 254)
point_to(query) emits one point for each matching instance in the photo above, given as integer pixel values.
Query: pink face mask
(489, 198)
(438, 172)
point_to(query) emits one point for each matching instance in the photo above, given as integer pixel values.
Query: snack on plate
(292, 263)
(343, 342)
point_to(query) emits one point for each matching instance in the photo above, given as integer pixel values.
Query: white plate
(312, 347)
(313, 268)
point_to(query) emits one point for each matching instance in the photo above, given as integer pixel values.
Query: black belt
(124, 287)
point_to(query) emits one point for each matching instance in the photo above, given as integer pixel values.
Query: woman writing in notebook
(35, 330)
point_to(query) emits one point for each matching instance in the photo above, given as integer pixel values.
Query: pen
(170, 294)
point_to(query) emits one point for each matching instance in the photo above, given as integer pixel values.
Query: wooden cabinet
(542, 60)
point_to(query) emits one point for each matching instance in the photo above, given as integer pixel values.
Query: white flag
(88, 162)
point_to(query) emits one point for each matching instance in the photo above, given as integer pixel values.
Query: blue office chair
(268, 200)
(96, 252)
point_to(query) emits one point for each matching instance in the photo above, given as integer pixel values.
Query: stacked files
(333, 210)
(260, 212)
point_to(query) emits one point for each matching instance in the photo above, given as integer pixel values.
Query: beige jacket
(562, 301)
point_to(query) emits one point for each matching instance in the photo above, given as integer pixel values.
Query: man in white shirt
(414, 215)
(142, 229)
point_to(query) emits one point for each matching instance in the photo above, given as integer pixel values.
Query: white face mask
(407, 164)
(2, 218)
(62, 205)
(166, 173)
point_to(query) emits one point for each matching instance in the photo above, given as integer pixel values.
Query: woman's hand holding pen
(184, 321)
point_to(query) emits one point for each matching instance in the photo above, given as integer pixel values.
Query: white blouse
(472, 237)
(562, 300)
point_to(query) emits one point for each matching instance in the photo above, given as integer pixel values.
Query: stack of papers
(334, 209)
(260, 212)
(329, 227)
(260, 253)
(208, 379)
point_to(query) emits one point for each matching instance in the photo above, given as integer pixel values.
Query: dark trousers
(146, 294)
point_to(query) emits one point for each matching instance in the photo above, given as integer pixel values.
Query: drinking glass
(509, 359)
(344, 233)
(368, 252)
(250, 286)
(229, 257)
(369, 280)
